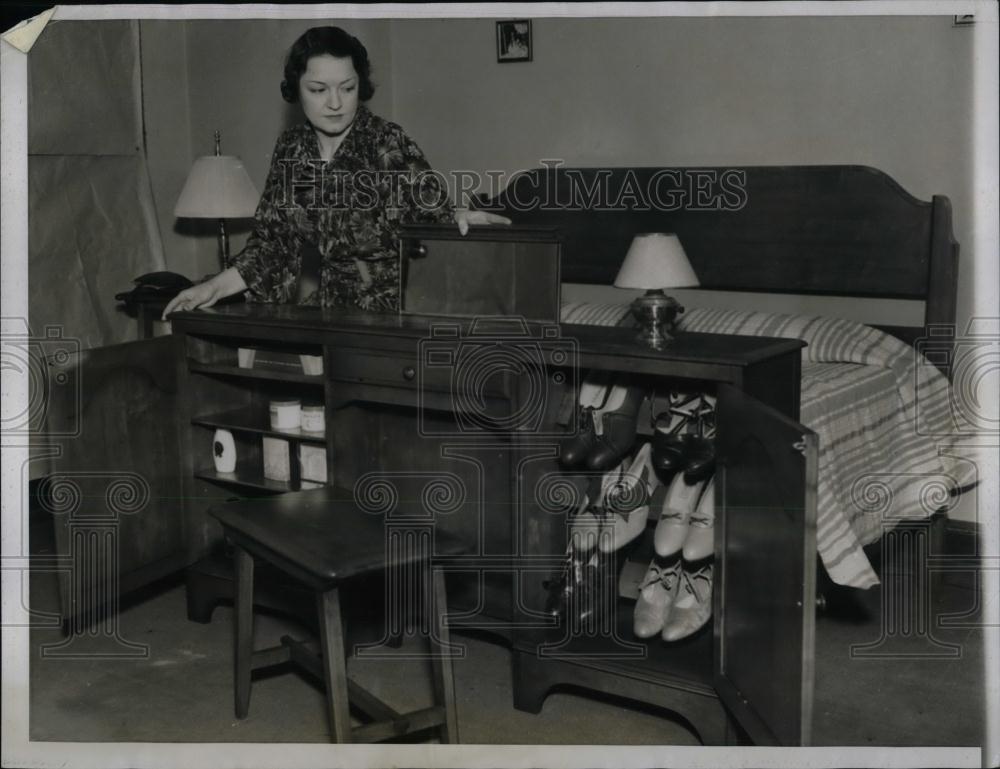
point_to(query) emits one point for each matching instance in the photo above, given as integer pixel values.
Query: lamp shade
(218, 187)
(656, 260)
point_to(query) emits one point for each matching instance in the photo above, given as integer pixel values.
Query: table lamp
(655, 261)
(218, 187)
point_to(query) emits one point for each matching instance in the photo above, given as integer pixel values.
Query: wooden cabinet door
(115, 490)
(765, 592)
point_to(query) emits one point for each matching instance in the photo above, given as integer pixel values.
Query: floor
(180, 690)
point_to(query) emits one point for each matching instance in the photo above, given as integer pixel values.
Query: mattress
(882, 415)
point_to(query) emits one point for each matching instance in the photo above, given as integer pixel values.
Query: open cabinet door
(115, 489)
(765, 580)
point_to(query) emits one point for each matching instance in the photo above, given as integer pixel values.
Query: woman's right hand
(200, 295)
(226, 283)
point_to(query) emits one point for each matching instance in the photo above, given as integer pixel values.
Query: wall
(893, 93)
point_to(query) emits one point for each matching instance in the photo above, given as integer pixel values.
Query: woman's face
(328, 91)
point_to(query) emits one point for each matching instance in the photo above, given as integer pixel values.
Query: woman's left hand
(465, 217)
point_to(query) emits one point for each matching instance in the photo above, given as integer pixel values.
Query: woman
(340, 185)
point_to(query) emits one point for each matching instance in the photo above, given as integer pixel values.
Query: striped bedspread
(882, 416)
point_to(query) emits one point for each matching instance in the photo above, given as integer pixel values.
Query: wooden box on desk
(492, 270)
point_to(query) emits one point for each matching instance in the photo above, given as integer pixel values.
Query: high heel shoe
(575, 450)
(701, 450)
(618, 427)
(693, 608)
(700, 462)
(672, 528)
(566, 590)
(627, 503)
(669, 447)
(656, 595)
(585, 526)
(700, 541)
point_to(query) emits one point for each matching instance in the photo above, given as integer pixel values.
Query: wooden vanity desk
(402, 414)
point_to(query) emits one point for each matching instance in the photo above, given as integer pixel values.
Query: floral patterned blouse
(350, 209)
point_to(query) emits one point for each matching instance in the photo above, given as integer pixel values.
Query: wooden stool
(322, 539)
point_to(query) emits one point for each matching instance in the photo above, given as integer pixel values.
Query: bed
(878, 398)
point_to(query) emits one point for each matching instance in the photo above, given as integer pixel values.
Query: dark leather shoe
(669, 452)
(574, 451)
(700, 459)
(618, 433)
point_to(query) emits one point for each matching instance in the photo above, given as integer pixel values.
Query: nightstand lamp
(655, 261)
(218, 187)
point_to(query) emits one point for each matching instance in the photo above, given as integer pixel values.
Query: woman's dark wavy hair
(326, 40)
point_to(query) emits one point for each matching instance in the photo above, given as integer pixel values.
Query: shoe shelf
(672, 484)
(256, 421)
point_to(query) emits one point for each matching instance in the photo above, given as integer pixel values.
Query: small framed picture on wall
(514, 40)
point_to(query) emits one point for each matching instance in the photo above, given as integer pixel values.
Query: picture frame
(513, 40)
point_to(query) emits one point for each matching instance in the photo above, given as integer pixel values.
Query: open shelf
(247, 478)
(250, 420)
(270, 374)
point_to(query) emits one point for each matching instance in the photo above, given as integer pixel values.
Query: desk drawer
(359, 366)
(411, 373)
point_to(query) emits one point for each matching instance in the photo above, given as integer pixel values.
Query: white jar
(224, 451)
(286, 414)
(313, 419)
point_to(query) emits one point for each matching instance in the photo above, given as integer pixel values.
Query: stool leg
(243, 631)
(444, 680)
(334, 664)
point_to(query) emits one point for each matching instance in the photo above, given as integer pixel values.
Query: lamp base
(656, 314)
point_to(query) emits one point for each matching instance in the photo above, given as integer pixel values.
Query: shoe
(700, 458)
(627, 502)
(585, 527)
(693, 608)
(618, 425)
(593, 397)
(575, 450)
(700, 542)
(576, 595)
(656, 595)
(679, 504)
(669, 449)
(565, 589)
(597, 602)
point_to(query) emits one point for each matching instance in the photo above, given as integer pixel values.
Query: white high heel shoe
(627, 503)
(700, 541)
(692, 610)
(656, 595)
(672, 528)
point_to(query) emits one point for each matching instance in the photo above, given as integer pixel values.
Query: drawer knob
(409, 372)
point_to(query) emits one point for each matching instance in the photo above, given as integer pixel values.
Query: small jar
(286, 414)
(313, 419)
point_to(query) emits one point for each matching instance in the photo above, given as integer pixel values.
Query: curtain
(91, 222)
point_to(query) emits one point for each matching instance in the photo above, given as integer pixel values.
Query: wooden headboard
(833, 230)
